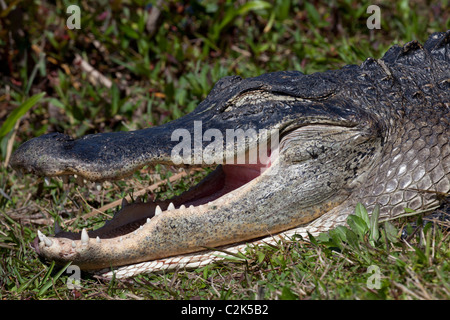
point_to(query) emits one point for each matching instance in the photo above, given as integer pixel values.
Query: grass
(160, 72)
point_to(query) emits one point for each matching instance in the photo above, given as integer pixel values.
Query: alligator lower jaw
(124, 239)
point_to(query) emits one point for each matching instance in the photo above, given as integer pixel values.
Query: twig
(95, 77)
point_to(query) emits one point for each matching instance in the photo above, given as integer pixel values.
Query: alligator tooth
(84, 236)
(158, 211)
(74, 245)
(191, 206)
(47, 241)
(98, 239)
(47, 181)
(141, 227)
(44, 239)
(171, 207)
(98, 186)
(120, 239)
(182, 207)
(40, 236)
(148, 220)
(124, 203)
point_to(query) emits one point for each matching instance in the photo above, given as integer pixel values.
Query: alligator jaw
(234, 203)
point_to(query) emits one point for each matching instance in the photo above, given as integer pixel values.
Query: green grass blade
(373, 224)
(18, 113)
(361, 212)
(52, 280)
(27, 284)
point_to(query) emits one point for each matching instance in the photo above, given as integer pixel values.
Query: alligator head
(292, 151)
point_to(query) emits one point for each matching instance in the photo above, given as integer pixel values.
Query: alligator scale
(377, 133)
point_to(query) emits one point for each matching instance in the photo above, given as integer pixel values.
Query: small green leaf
(57, 103)
(287, 294)
(339, 233)
(18, 113)
(338, 236)
(323, 237)
(391, 232)
(312, 239)
(422, 257)
(352, 239)
(373, 224)
(358, 225)
(361, 212)
(129, 31)
(115, 99)
(313, 14)
(253, 5)
(261, 256)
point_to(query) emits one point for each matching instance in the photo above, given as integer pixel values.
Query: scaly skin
(375, 134)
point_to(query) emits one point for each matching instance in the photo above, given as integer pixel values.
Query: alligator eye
(251, 99)
(257, 101)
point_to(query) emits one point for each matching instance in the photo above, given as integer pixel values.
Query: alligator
(292, 154)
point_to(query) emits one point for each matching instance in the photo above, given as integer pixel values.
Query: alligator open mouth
(210, 191)
(225, 186)
(238, 201)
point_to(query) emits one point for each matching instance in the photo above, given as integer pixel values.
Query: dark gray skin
(375, 134)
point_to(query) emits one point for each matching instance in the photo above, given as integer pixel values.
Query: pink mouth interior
(221, 181)
(230, 178)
